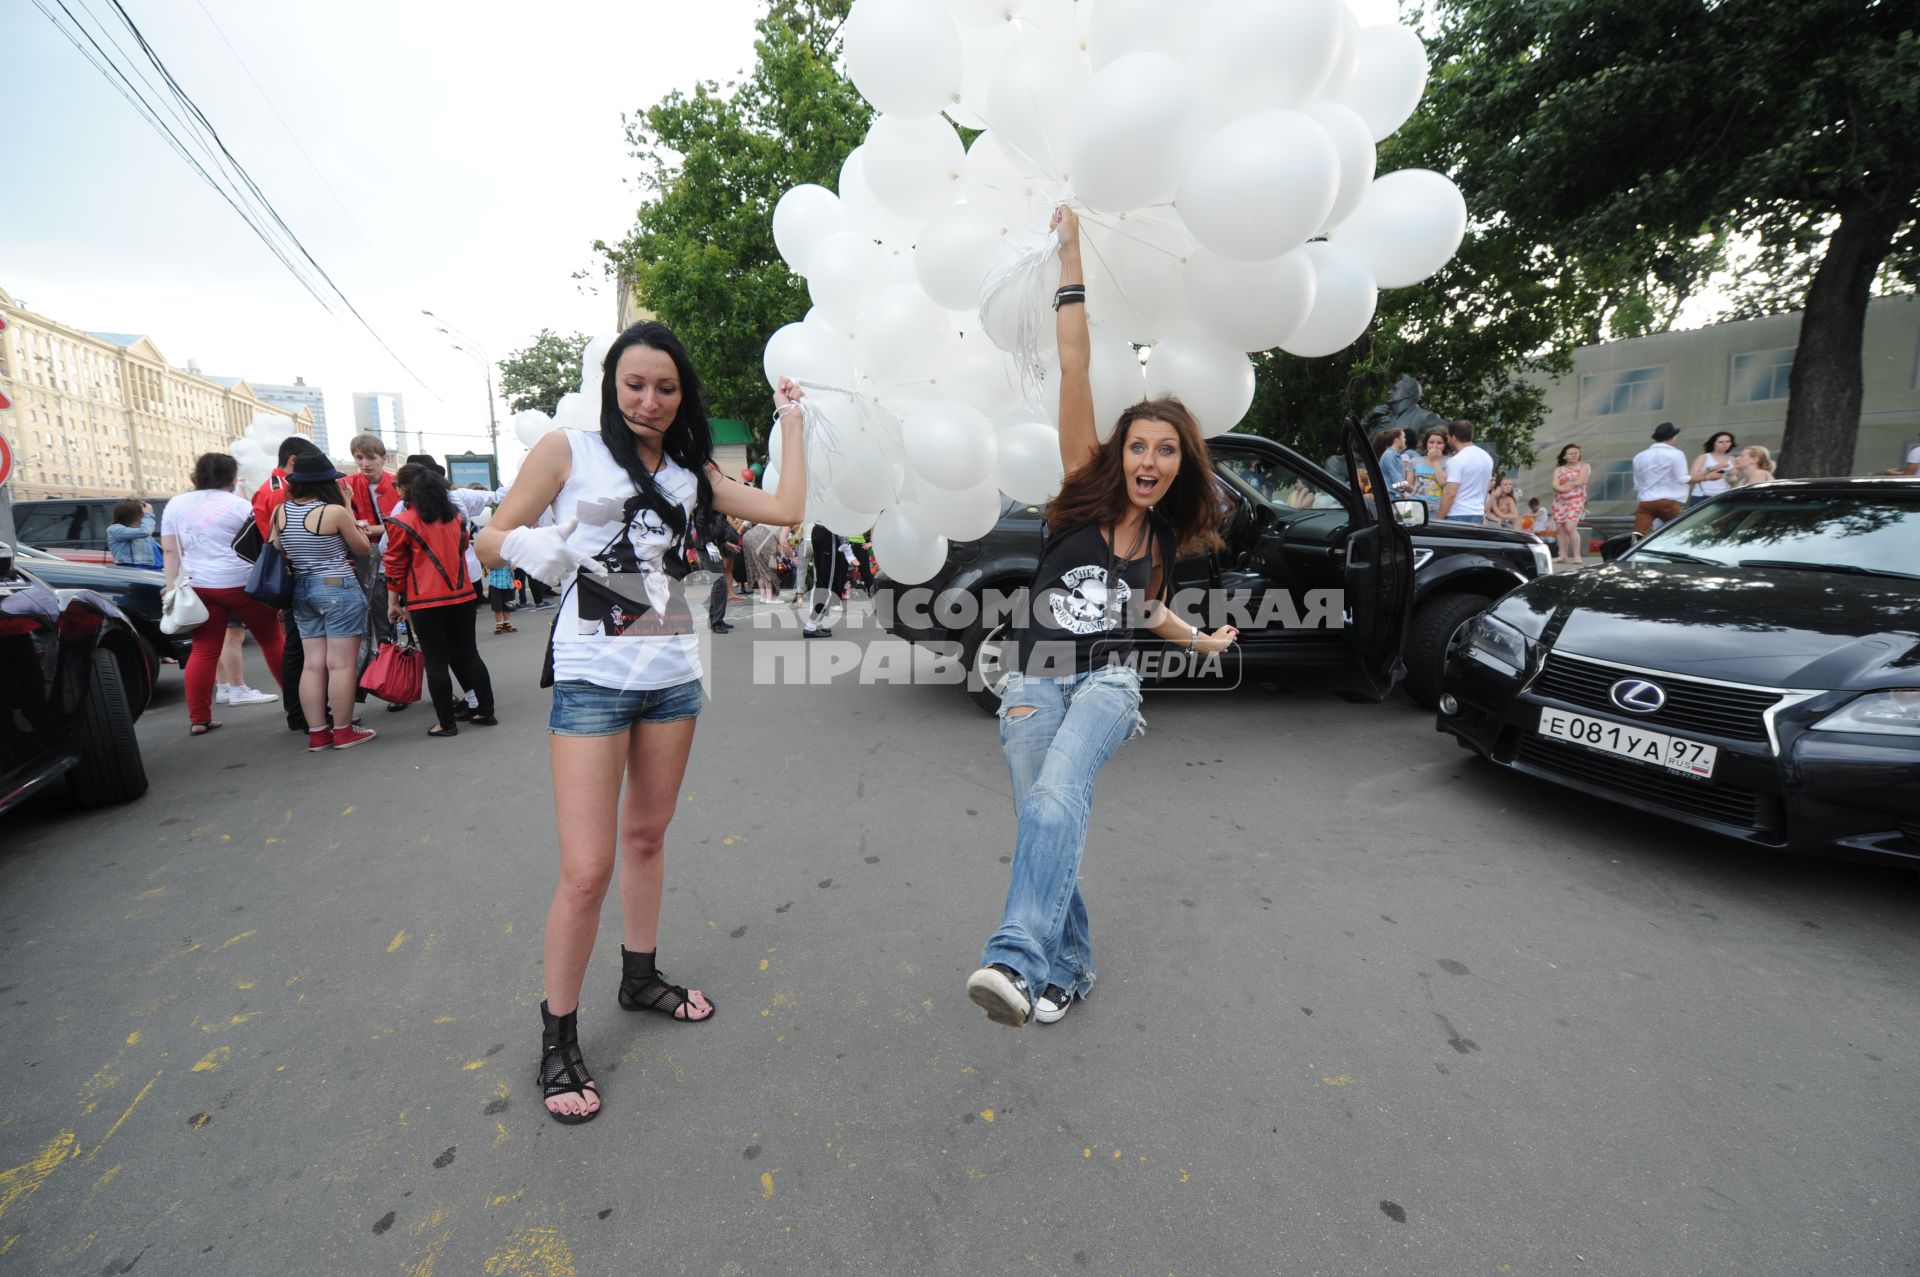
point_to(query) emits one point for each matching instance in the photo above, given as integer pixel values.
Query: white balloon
(1346, 57)
(1134, 271)
(808, 352)
(578, 411)
(846, 273)
(865, 213)
(949, 445)
(1254, 55)
(268, 429)
(955, 250)
(1353, 140)
(981, 48)
(908, 548)
(903, 55)
(1215, 382)
(1030, 466)
(1057, 17)
(529, 425)
(902, 336)
(965, 514)
(593, 361)
(848, 523)
(1344, 298)
(1250, 305)
(1030, 101)
(1389, 75)
(1262, 184)
(1120, 27)
(864, 482)
(806, 217)
(979, 374)
(1409, 225)
(1134, 130)
(980, 13)
(996, 182)
(1118, 384)
(912, 166)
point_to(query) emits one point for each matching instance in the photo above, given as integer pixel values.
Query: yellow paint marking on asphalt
(296, 978)
(1184, 1176)
(7, 1245)
(477, 1064)
(166, 958)
(106, 1177)
(272, 839)
(764, 964)
(443, 1019)
(244, 935)
(153, 893)
(509, 926)
(500, 1134)
(504, 1198)
(1086, 1152)
(729, 841)
(1340, 1079)
(393, 946)
(348, 811)
(433, 942)
(115, 1128)
(766, 1186)
(107, 1077)
(1116, 1152)
(226, 837)
(500, 1091)
(532, 1252)
(24, 1179)
(214, 1059)
(986, 1115)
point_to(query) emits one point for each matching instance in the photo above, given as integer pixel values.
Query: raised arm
(787, 504)
(1079, 439)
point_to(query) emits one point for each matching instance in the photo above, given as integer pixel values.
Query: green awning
(727, 430)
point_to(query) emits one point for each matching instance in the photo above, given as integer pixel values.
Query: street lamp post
(486, 366)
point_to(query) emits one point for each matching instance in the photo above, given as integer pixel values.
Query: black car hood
(1772, 627)
(91, 576)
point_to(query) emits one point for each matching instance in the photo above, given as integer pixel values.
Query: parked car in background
(135, 591)
(74, 676)
(1752, 669)
(73, 528)
(1287, 531)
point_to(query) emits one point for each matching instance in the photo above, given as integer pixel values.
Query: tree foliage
(1647, 135)
(548, 368)
(714, 162)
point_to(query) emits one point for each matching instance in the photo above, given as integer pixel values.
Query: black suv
(73, 678)
(1292, 530)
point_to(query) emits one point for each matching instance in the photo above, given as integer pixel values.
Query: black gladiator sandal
(644, 988)
(562, 1071)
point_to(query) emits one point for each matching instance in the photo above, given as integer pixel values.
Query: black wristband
(1069, 294)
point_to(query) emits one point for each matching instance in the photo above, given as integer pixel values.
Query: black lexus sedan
(1752, 669)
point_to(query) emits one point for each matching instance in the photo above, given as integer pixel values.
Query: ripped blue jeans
(1057, 733)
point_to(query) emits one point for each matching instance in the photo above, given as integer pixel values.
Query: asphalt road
(1365, 1006)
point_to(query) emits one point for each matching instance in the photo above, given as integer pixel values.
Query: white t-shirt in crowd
(1660, 473)
(649, 642)
(1472, 469)
(204, 522)
(1913, 458)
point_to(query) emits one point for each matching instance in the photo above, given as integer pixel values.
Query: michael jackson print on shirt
(643, 594)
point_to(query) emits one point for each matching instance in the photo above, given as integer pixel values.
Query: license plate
(1656, 749)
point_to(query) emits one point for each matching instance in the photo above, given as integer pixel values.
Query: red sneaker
(348, 737)
(317, 741)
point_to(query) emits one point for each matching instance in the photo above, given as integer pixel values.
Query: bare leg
(313, 682)
(586, 799)
(343, 677)
(233, 663)
(656, 764)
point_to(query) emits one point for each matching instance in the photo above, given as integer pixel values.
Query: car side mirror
(1410, 514)
(1613, 547)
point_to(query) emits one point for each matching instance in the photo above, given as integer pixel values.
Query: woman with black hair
(427, 582)
(315, 528)
(624, 661)
(1127, 509)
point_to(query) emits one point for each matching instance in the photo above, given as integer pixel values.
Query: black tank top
(1086, 600)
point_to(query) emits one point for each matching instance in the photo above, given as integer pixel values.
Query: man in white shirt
(1469, 472)
(1912, 466)
(1659, 480)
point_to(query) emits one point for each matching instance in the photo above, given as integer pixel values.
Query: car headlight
(1895, 713)
(1542, 559)
(1497, 643)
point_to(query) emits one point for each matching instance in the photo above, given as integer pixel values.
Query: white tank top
(632, 630)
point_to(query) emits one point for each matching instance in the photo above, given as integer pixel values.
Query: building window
(1609, 394)
(1759, 376)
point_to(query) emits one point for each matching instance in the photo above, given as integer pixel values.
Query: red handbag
(395, 673)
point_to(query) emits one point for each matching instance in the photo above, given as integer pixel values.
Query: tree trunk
(1823, 405)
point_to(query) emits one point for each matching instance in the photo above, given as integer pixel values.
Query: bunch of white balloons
(258, 448)
(577, 410)
(1221, 154)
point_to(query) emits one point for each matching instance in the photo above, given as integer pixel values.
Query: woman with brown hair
(1127, 509)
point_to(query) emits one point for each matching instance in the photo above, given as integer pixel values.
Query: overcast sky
(474, 162)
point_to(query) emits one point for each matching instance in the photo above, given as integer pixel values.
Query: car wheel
(1435, 623)
(110, 770)
(984, 653)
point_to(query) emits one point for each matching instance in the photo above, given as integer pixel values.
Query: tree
(547, 369)
(1647, 134)
(715, 161)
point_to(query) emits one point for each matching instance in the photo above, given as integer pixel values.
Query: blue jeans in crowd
(1053, 755)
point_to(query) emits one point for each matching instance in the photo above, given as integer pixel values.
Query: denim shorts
(329, 606)
(588, 709)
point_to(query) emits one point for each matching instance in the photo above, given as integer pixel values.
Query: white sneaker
(1052, 1006)
(244, 695)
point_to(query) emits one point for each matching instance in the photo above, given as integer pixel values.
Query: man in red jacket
(373, 495)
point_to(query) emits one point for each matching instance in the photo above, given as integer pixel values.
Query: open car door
(1379, 572)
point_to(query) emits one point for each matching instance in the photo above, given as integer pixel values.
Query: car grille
(1727, 804)
(1716, 709)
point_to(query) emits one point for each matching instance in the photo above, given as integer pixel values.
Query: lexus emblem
(1637, 696)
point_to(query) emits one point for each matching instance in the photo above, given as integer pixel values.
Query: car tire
(984, 685)
(110, 769)
(1434, 624)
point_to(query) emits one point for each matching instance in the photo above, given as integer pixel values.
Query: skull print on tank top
(1086, 599)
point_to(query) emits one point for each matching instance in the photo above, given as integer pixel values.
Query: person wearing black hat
(422, 459)
(1660, 480)
(266, 499)
(315, 528)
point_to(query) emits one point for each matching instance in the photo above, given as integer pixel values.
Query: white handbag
(181, 609)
